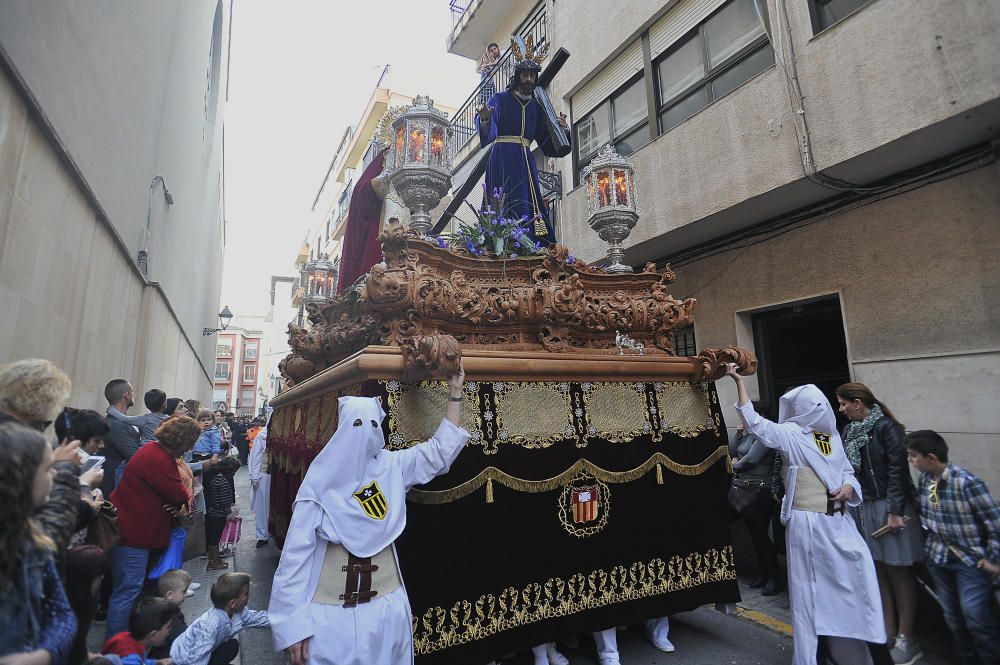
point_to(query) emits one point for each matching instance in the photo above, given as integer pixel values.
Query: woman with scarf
(873, 441)
(832, 587)
(337, 596)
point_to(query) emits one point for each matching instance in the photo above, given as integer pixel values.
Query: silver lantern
(612, 203)
(419, 163)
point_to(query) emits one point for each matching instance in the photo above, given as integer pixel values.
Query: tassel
(659, 474)
(489, 490)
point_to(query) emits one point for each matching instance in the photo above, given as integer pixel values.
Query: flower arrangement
(495, 234)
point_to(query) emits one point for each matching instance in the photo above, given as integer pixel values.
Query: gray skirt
(894, 549)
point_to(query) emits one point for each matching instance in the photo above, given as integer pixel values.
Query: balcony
(476, 23)
(463, 121)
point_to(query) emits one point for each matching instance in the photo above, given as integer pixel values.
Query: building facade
(822, 175)
(111, 190)
(238, 383)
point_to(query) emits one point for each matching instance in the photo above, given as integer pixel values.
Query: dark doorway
(798, 344)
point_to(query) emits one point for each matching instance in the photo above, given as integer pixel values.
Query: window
(621, 120)
(828, 12)
(249, 373)
(221, 371)
(246, 398)
(684, 343)
(220, 396)
(711, 61)
(250, 351)
(224, 350)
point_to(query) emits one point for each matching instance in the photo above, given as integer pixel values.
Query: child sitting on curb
(172, 587)
(148, 627)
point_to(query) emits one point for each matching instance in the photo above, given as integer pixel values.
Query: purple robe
(510, 165)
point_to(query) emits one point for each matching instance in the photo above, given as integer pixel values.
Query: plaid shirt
(960, 516)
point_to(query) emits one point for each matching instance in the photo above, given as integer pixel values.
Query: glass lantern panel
(400, 136)
(603, 189)
(621, 188)
(417, 144)
(437, 145)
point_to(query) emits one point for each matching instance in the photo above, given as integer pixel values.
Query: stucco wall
(123, 86)
(876, 77)
(122, 92)
(916, 275)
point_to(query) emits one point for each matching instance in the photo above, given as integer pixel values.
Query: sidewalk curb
(765, 620)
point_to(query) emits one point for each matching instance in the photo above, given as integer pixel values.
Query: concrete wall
(878, 76)
(105, 96)
(916, 275)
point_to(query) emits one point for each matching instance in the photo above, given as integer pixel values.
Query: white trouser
(261, 502)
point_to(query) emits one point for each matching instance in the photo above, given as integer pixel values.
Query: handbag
(103, 528)
(743, 493)
(173, 556)
(231, 532)
(194, 534)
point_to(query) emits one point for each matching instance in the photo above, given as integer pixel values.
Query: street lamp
(225, 316)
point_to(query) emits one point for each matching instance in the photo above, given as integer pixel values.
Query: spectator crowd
(100, 518)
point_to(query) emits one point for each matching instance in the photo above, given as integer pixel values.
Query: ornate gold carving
(713, 362)
(493, 475)
(467, 621)
(547, 302)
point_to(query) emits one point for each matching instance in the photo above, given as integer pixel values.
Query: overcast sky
(300, 72)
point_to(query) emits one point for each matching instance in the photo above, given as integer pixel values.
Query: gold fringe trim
(659, 474)
(491, 474)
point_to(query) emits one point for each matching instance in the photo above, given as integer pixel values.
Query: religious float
(593, 491)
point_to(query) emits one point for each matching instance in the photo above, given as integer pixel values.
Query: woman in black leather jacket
(873, 441)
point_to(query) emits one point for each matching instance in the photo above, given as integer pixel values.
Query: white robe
(832, 586)
(260, 498)
(379, 632)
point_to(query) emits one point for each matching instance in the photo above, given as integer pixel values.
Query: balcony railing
(458, 8)
(463, 124)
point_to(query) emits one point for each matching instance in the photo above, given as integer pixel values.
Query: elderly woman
(833, 590)
(873, 441)
(150, 491)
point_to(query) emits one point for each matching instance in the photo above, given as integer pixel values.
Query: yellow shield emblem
(823, 442)
(372, 501)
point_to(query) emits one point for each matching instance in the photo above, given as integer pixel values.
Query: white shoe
(609, 660)
(188, 593)
(194, 586)
(664, 645)
(555, 658)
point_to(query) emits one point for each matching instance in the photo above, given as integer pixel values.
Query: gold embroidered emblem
(372, 501)
(823, 443)
(584, 505)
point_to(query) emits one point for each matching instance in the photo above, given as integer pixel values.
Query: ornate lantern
(319, 281)
(419, 163)
(612, 204)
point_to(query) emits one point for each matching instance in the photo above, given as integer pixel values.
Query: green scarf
(856, 436)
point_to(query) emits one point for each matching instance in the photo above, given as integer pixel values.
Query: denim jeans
(128, 571)
(965, 593)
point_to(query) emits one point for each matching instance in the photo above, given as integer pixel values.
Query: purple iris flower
(570, 260)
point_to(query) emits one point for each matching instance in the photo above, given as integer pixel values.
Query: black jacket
(885, 471)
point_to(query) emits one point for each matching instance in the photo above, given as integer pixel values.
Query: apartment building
(822, 175)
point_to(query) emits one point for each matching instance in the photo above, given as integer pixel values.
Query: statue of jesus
(510, 121)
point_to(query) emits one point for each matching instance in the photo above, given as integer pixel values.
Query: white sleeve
(850, 479)
(254, 618)
(769, 433)
(431, 458)
(289, 609)
(256, 457)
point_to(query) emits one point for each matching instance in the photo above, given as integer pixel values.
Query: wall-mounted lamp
(225, 316)
(143, 256)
